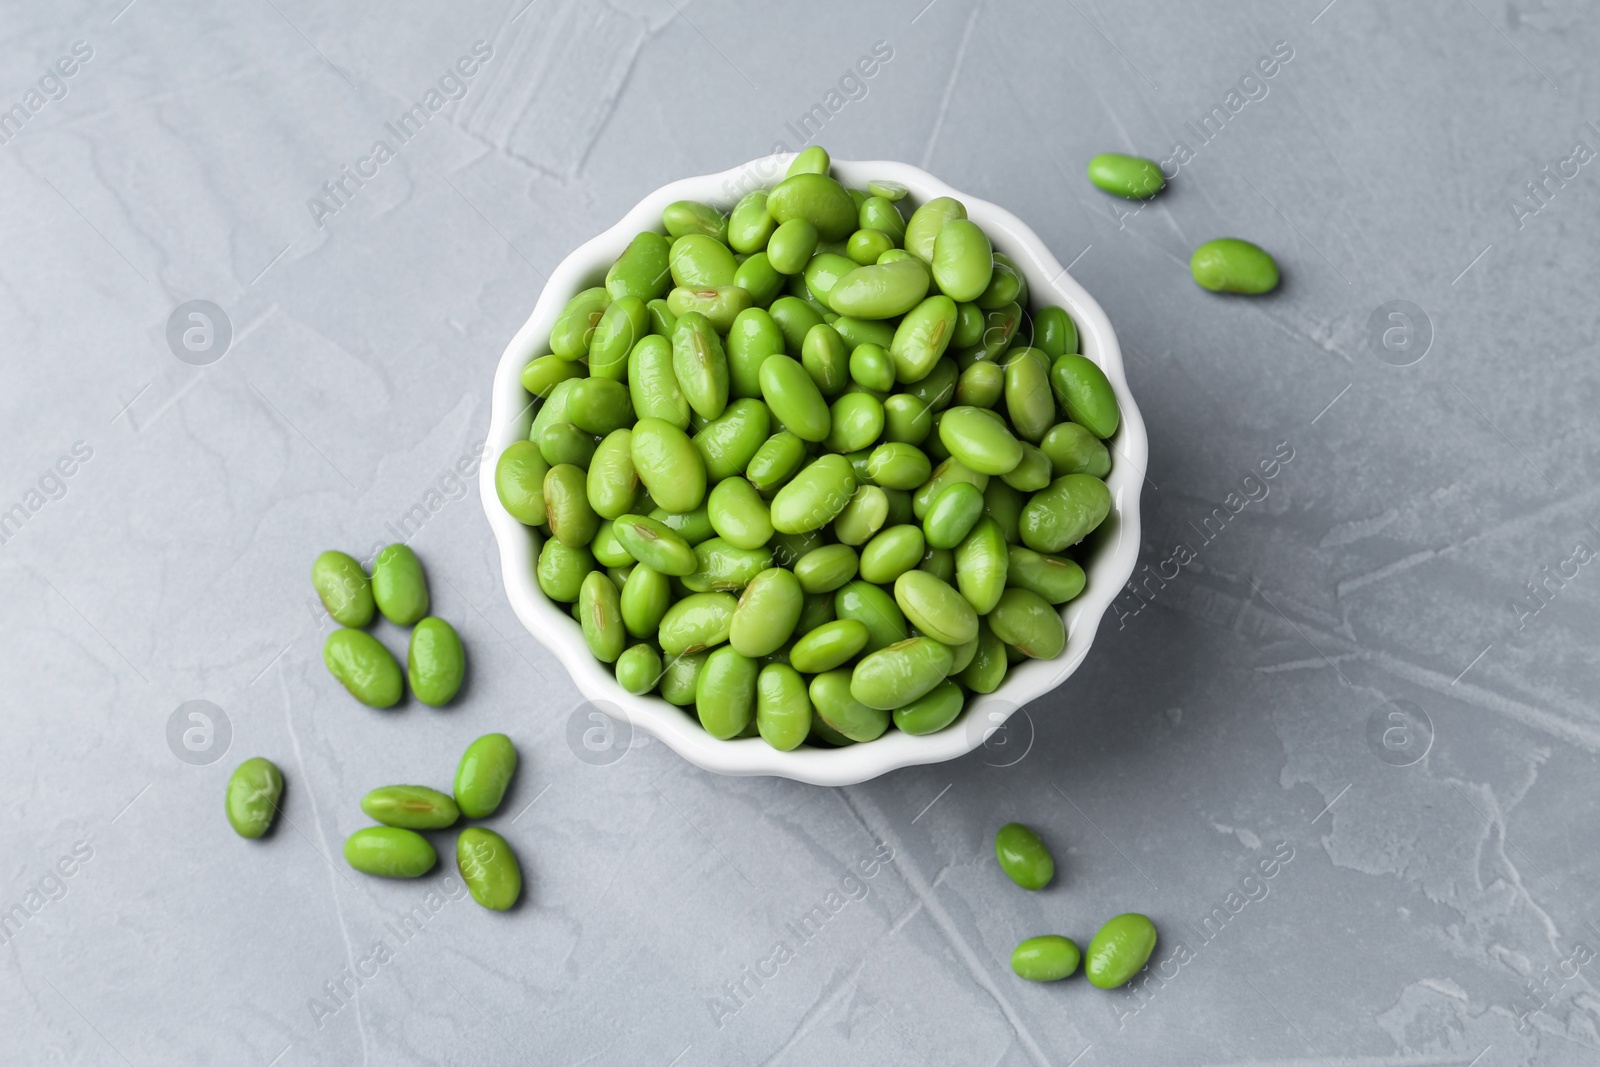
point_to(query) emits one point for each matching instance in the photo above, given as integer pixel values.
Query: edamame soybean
(1023, 856)
(1049, 958)
(435, 662)
(484, 774)
(398, 586)
(489, 868)
(254, 789)
(390, 852)
(1119, 950)
(1131, 177)
(1229, 265)
(364, 667)
(414, 807)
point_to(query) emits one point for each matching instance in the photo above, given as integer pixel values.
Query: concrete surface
(1344, 677)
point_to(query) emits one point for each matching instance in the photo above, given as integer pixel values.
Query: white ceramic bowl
(1108, 558)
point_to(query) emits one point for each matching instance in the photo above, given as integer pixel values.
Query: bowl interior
(1107, 557)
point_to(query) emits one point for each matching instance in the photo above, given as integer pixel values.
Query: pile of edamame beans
(395, 849)
(811, 466)
(1119, 949)
(435, 660)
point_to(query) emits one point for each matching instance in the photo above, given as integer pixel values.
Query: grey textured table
(1340, 742)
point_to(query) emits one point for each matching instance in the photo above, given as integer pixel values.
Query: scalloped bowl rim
(553, 627)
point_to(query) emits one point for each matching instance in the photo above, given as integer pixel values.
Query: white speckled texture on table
(1339, 739)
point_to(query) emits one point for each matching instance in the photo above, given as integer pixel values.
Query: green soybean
(1028, 398)
(766, 614)
(620, 328)
(981, 442)
(952, 515)
(907, 419)
(561, 570)
(858, 332)
(697, 622)
(254, 789)
(488, 867)
(866, 246)
(1049, 958)
(572, 518)
(831, 696)
(1062, 514)
(646, 596)
(811, 160)
(390, 852)
(822, 570)
(783, 708)
(1072, 449)
(655, 544)
(939, 562)
(871, 368)
(1230, 265)
(757, 277)
(724, 568)
(778, 459)
(855, 422)
(720, 305)
(983, 384)
(982, 564)
(819, 200)
(1119, 950)
(739, 515)
(364, 667)
(815, 496)
(1055, 579)
(638, 668)
(542, 375)
(935, 608)
(573, 328)
(753, 337)
(1007, 285)
(652, 384)
(794, 398)
(921, 338)
(792, 246)
(1033, 473)
(963, 261)
(730, 441)
(398, 586)
(683, 217)
(1023, 856)
(694, 525)
(1132, 177)
(700, 364)
(989, 664)
(725, 693)
(680, 676)
(826, 359)
(435, 662)
(863, 516)
(600, 616)
(891, 553)
(879, 290)
(612, 484)
(794, 319)
(483, 775)
(875, 609)
(749, 225)
(1085, 394)
(668, 464)
(1054, 332)
(518, 482)
(829, 645)
(345, 589)
(897, 674)
(1028, 623)
(923, 230)
(562, 442)
(414, 807)
(931, 712)
(642, 271)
